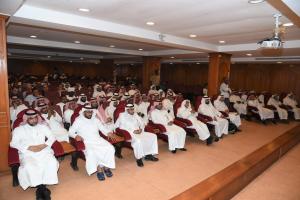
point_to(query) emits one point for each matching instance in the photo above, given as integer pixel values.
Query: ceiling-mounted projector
(274, 42)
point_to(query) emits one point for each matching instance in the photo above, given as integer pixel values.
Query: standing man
(225, 91)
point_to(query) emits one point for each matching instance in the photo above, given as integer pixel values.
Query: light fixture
(81, 58)
(222, 41)
(112, 46)
(77, 42)
(33, 36)
(288, 24)
(255, 1)
(48, 56)
(150, 23)
(84, 9)
(279, 62)
(171, 63)
(249, 54)
(141, 49)
(198, 63)
(70, 61)
(193, 35)
(172, 57)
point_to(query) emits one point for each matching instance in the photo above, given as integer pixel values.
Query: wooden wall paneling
(5, 134)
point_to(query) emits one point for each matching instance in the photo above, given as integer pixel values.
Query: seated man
(54, 121)
(38, 165)
(221, 124)
(69, 110)
(233, 116)
(264, 113)
(168, 104)
(282, 113)
(110, 109)
(290, 100)
(238, 103)
(176, 135)
(99, 154)
(141, 106)
(144, 144)
(16, 107)
(185, 111)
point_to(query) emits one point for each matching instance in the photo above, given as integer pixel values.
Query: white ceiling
(58, 23)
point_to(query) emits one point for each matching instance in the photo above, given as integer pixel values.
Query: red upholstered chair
(13, 155)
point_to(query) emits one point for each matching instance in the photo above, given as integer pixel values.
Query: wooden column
(4, 102)
(150, 67)
(219, 67)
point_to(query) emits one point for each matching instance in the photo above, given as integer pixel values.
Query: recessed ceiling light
(84, 9)
(171, 63)
(198, 63)
(112, 46)
(77, 42)
(193, 35)
(279, 62)
(249, 54)
(141, 49)
(288, 24)
(172, 57)
(255, 1)
(222, 41)
(33, 36)
(70, 61)
(48, 56)
(81, 58)
(150, 23)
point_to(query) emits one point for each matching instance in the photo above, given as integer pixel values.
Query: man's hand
(112, 136)
(193, 111)
(139, 131)
(109, 120)
(170, 123)
(78, 138)
(37, 148)
(215, 119)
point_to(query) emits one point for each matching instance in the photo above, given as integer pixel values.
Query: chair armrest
(186, 121)
(180, 123)
(58, 149)
(125, 134)
(79, 145)
(13, 156)
(204, 118)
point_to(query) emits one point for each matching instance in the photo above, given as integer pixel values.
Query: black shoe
(140, 163)
(216, 139)
(274, 121)
(183, 149)
(151, 158)
(264, 122)
(209, 141)
(174, 151)
(238, 130)
(47, 194)
(39, 194)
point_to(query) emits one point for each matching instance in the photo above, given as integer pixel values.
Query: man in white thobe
(176, 135)
(233, 116)
(16, 108)
(38, 166)
(141, 106)
(225, 90)
(168, 104)
(289, 100)
(264, 113)
(185, 111)
(144, 144)
(218, 120)
(238, 104)
(99, 154)
(55, 122)
(111, 108)
(274, 101)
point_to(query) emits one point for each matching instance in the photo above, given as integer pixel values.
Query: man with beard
(38, 165)
(99, 154)
(144, 144)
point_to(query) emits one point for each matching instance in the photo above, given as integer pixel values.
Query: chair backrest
(198, 102)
